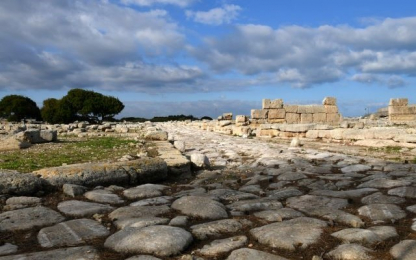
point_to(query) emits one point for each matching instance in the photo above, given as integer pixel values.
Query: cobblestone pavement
(259, 200)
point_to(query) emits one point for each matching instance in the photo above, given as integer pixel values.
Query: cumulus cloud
(306, 56)
(181, 3)
(57, 44)
(216, 16)
(392, 81)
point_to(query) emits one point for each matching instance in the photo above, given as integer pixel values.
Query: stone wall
(274, 111)
(400, 111)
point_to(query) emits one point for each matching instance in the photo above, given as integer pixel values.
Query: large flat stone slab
(291, 234)
(202, 207)
(93, 174)
(19, 183)
(382, 212)
(71, 233)
(405, 250)
(138, 212)
(222, 246)
(311, 201)
(251, 254)
(71, 253)
(216, 228)
(156, 240)
(103, 196)
(28, 218)
(77, 208)
(145, 191)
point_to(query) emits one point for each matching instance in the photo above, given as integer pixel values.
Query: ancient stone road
(259, 200)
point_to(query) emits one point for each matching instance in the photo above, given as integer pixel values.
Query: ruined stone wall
(400, 111)
(274, 111)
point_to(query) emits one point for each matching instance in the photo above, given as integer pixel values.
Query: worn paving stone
(138, 212)
(282, 194)
(255, 205)
(350, 252)
(250, 254)
(232, 195)
(344, 194)
(104, 196)
(404, 192)
(334, 215)
(73, 190)
(70, 253)
(366, 236)
(162, 200)
(379, 197)
(140, 222)
(143, 257)
(71, 233)
(76, 208)
(222, 246)
(384, 183)
(311, 201)
(28, 218)
(7, 249)
(201, 207)
(155, 240)
(24, 200)
(404, 250)
(278, 215)
(382, 212)
(303, 232)
(356, 168)
(145, 191)
(215, 228)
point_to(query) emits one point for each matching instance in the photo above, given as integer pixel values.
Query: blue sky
(165, 57)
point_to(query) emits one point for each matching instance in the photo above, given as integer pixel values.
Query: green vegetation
(69, 150)
(16, 108)
(81, 104)
(387, 149)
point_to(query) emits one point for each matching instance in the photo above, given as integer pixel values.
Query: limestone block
(266, 103)
(297, 128)
(258, 121)
(268, 132)
(279, 120)
(277, 113)
(402, 118)
(306, 118)
(291, 108)
(311, 109)
(276, 104)
(399, 102)
(241, 119)
(292, 118)
(227, 116)
(259, 113)
(333, 118)
(396, 110)
(329, 109)
(329, 101)
(312, 134)
(319, 117)
(241, 130)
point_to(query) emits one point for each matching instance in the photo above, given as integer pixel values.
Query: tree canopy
(16, 108)
(81, 104)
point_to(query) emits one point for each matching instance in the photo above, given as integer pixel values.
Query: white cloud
(181, 3)
(392, 81)
(59, 44)
(216, 16)
(306, 56)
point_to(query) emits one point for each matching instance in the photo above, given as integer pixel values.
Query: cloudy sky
(206, 57)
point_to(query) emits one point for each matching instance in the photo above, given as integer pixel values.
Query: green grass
(68, 150)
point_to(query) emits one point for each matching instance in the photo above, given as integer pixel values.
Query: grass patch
(68, 150)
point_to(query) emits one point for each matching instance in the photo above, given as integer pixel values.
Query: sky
(208, 57)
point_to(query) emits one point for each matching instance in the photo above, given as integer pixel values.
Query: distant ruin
(400, 112)
(274, 111)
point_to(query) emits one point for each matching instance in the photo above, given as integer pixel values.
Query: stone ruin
(275, 111)
(400, 112)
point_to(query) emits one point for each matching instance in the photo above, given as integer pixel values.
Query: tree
(16, 108)
(81, 104)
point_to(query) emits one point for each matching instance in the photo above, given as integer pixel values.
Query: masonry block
(319, 118)
(306, 118)
(331, 101)
(259, 113)
(291, 108)
(292, 118)
(277, 113)
(399, 102)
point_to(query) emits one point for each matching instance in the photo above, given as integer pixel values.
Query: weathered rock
(249, 254)
(143, 257)
(71, 233)
(405, 250)
(379, 197)
(255, 205)
(140, 222)
(303, 232)
(278, 215)
(310, 201)
(76, 208)
(365, 236)
(200, 160)
(8, 249)
(145, 191)
(350, 252)
(382, 212)
(179, 221)
(356, 168)
(157, 136)
(12, 143)
(180, 145)
(73, 190)
(232, 195)
(222, 246)
(28, 218)
(23, 200)
(20, 183)
(384, 183)
(215, 228)
(157, 240)
(201, 207)
(103, 196)
(92, 174)
(70, 253)
(404, 192)
(162, 200)
(138, 212)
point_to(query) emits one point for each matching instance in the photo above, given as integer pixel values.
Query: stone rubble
(255, 199)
